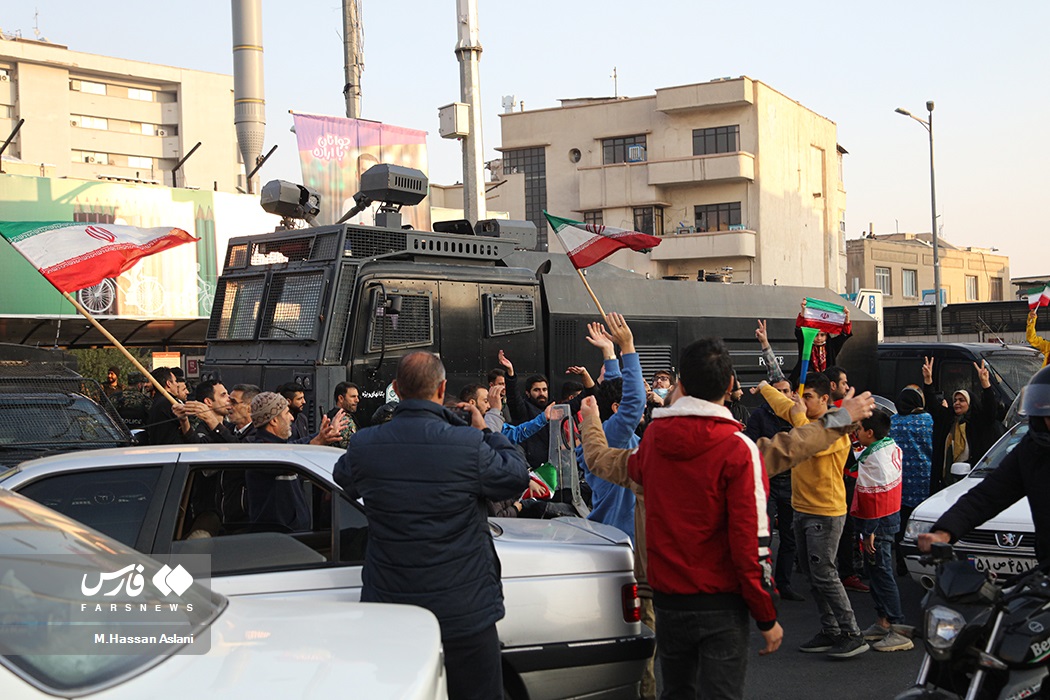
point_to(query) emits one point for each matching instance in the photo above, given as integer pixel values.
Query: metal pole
(936, 246)
(468, 52)
(352, 59)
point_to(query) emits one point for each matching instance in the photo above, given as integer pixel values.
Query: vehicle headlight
(916, 527)
(943, 625)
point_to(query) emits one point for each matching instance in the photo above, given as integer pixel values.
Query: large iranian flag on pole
(73, 256)
(587, 244)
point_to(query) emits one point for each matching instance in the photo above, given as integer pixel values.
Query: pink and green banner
(335, 151)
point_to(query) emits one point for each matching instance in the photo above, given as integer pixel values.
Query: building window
(532, 163)
(910, 283)
(623, 149)
(140, 162)
(717, 217)
(594, 218)
(720, 139)
(6, 111)
(139, 94)
(996, 288)
(971, 288)
(144, 129)
(89, 87)
(649, 220)
(85, 122)
(882, 280)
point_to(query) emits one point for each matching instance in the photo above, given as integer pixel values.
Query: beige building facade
(901, 265)
(96, 117)
(731, 173)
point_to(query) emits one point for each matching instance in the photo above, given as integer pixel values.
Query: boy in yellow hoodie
(818, 495)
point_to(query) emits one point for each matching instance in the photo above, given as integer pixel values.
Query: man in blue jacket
(621, 403)
(425, 478)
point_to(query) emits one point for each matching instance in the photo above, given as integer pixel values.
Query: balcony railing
(721, 167)
(738, 243)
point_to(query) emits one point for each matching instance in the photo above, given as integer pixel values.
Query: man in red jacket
(707, 530)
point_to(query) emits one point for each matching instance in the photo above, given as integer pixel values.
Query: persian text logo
(130, 579)
(331, 147)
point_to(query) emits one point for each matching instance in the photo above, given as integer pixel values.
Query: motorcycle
(985, 638)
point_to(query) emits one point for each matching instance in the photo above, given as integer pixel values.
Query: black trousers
(472, 666)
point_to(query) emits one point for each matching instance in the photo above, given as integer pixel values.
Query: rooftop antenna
(616, 85)
(36, 26)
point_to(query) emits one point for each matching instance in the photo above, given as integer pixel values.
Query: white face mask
(662, 392)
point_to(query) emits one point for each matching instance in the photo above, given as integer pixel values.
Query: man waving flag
(587, 244)
(73, 256)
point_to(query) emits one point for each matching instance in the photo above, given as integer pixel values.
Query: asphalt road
(792, 675)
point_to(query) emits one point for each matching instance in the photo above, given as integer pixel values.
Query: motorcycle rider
(1025, 471)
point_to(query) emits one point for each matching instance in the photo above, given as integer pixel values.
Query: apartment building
(96, 117)
(901, 265)
(731, 173)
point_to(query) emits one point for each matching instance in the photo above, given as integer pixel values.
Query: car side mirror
(961, 469)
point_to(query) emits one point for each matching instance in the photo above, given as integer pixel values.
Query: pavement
(790, 674)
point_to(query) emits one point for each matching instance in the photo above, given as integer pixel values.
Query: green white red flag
(587, 244)
(73, 255)
(823, 315)
(1038, 297)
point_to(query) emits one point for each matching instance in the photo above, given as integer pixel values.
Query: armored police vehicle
(327, 304)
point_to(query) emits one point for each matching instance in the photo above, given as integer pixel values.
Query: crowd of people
(698, 480)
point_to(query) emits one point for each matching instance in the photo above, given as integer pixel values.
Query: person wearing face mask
(968, 424)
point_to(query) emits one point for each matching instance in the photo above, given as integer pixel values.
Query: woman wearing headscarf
(912, 430)
(969, 425)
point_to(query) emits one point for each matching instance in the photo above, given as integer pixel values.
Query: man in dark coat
(525, 404)
(425, 478)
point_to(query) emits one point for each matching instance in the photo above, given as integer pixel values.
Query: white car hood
(1018, 517)
(303, 649)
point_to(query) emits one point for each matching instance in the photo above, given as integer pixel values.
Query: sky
(984, 64)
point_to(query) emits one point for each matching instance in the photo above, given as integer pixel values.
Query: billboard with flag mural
(174, 283)
(335, 151)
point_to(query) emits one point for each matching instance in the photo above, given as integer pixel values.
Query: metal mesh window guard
(413, 326)
(509, 313)
(292, 305)
(235, 315)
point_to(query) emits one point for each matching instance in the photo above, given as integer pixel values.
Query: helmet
(1035, 400)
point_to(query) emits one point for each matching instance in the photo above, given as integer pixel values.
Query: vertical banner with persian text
(335, 151)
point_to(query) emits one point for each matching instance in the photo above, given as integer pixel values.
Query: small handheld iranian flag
(1038, 297)
(823, 315)
(73, 255)
(588, 244)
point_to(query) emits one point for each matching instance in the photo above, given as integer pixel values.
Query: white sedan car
(65, 634)
(1004, 545)
(572, 626)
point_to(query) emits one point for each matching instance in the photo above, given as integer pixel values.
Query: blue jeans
(713, 641)
(879, 568)
(817, 537)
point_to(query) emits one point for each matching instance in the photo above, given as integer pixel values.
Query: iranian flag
(1038, 297)
(73, 255)
(587, 244)
(823, 315)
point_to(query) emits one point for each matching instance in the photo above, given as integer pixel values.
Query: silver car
(572, 625)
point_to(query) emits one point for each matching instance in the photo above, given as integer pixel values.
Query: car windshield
(994, 457)
(1014, 369)
(46, 561)
(54, 418)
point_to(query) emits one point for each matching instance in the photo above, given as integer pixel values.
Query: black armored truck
(327, 304)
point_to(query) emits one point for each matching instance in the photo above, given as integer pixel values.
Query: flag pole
(590, 291)
(117, 344)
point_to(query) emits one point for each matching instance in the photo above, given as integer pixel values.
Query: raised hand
(589, 407)
(983, 374)
(760, 333)
(507, 364)
(476, 419)
(927, 370)
(600, 338)
(858, 407)
(621, 332)
(496, 396)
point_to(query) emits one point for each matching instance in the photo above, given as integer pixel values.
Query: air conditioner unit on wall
(74, 122)
(635, 154)
(162, 132)
(4, 77)
(89, 159)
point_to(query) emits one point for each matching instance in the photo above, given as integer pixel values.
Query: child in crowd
(876, 508)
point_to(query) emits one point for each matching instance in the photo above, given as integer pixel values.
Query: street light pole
(928, 125)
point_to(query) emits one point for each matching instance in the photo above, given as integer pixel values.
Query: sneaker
(790, 594)
(893, 642)
(876, 631)
(853, 583)
(820, 643)
(848, 646)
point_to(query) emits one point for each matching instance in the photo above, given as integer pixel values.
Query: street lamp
(928, 125)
